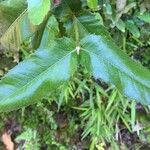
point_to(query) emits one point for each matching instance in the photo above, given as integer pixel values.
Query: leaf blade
(36, 76)
(111, 64)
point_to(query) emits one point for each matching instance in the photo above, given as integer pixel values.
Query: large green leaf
(112, 65)
(38, 9)
(20, 30)
(107, 62)
(35, 77)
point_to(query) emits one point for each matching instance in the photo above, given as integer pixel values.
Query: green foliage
(144, 16)
(30, 138)
(130, 25)
(10, 9)
(75, 55)
(18, 32)
(41, 72)
(93, 4)
(102, 112)
(38, 10)
(53, 64)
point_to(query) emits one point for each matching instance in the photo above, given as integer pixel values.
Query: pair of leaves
(54, 63)
(37, 76)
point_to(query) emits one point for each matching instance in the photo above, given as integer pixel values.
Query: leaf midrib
(38, 75)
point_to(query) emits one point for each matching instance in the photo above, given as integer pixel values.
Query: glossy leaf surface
(56, 61)
(111, 64)
(35, 77)
(144, 16)
(51, 32)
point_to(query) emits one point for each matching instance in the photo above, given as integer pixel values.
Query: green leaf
(9, 11)
(107, 8)
(110, 64)
(38, 9)
(130, 25)
(120, 25)
(86, 24)
(35, 77)
(133, 114)
(107, 62)
(93, 4)
(20, 30)
(144, 16)
(66, 8)
(51, 32)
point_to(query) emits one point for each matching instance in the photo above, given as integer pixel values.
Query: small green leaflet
(131, 26)
(93, 4)
(51, 32)
(144, 16)
(111, 64)
(38, 9)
